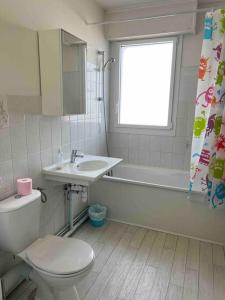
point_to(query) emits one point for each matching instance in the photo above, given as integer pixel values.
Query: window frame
(115, 126)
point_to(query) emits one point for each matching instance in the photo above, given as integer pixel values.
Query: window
(146, 72)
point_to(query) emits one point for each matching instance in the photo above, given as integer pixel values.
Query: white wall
(67, 14)
(169, 152)
(164, 26)
(18, 48)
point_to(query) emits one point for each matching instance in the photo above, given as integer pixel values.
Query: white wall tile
(16, 118)
(182, 109)
(181, 127)
(18, 142)
(20, 169)
(34, 168)
(119, 139)
(5, 145)
(167, 144)
(144, 158)
(155, 159)
(66, 151)
(45, 133)
(56, 132)
(155, 143)
(188, 84)
(139, 141)
(91, 146)
(59, 217)
(179, 145)
(178, 161)
(81, 145)
(74, 136)
(6, 175)
(80, 129)
(133, 156)
(65, 130)
(189, 129)
(55, 154)
(166, 160)
(33, 133)
(120, 152)
(46, 158)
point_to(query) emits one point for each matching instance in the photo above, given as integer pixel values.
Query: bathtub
(152, 176)
(158, 198)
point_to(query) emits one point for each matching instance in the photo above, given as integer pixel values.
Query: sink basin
(92, 165)
(87, 170)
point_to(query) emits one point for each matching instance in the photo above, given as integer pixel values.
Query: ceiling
(110, 4)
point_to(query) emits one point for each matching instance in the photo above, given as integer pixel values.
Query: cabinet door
(19, 72)
(50, 53)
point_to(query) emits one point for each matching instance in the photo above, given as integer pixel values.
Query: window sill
(144, 130)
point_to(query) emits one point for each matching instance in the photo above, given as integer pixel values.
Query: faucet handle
(74, 155)
(79, 155)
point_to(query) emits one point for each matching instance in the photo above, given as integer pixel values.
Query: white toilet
(56, 263)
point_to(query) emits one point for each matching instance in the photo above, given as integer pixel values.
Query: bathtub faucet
(74, 155)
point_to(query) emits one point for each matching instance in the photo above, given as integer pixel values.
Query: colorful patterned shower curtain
(208, 144)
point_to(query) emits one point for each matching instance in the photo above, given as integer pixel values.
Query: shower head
(109, 61)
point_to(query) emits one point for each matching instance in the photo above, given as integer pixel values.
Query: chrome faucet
(74, 155)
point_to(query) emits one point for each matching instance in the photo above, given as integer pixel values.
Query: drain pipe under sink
(74, 193)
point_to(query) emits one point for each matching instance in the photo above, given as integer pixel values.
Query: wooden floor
(140, 264)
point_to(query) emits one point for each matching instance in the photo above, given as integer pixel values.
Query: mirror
(74, 74)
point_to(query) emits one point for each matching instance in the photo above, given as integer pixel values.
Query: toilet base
(68, 294)
(46, 292)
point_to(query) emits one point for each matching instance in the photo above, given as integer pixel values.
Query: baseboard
(170, 232)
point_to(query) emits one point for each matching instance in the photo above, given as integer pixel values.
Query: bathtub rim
(150, 167)
(154, 185)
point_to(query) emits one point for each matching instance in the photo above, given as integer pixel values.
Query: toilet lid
(60, 256)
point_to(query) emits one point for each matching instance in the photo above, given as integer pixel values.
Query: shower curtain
(208, 143)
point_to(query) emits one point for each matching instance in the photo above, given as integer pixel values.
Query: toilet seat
(60, 257)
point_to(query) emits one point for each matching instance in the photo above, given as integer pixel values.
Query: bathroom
(162, 239)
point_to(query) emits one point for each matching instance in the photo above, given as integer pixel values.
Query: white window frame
(115, 126)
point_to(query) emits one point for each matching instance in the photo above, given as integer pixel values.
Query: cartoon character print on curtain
(208, 143)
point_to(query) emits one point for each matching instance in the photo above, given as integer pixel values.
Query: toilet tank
(19, 221)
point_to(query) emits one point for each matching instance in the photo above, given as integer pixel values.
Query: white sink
(92, 165)
(85, 171)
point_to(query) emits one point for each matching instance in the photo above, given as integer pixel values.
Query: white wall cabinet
(63, 73)
(19, 72)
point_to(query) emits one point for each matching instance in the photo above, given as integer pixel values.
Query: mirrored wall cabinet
(63, 73)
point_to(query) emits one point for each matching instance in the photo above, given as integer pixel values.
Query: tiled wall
(31, 142)
(163, 151)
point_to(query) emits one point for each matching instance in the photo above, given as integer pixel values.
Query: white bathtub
(157, 198)
(152, 176)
